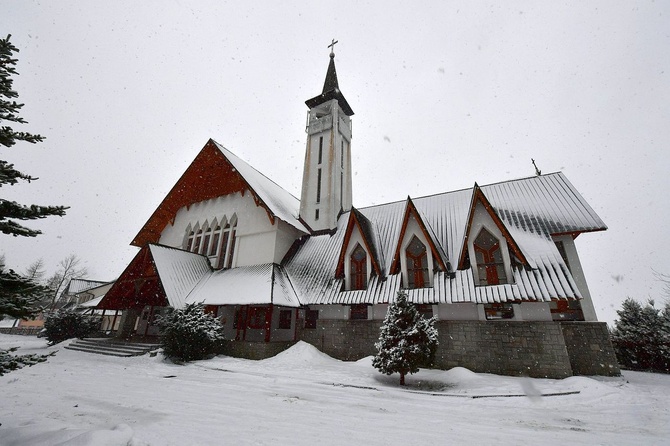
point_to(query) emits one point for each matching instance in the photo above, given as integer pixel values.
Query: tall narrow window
(359, 268)
(417, 264)
(189, 240)
(198, 239)
(215, 241)
(316, 214)
(320, 149)
(206, 240)
(342, 154)
(223, 250)
(229, 261)
(318, 185)
(490, 266)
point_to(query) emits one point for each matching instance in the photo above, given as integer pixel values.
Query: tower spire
(326, 184)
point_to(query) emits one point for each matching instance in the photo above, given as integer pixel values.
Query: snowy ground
(305, 397)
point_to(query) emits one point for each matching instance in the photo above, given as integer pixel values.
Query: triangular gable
(438, 254)
(212, 174)
(358, 220)
(479, 197)
(158, 276)
(137, 286)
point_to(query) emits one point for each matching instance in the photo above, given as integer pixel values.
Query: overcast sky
(445, 94)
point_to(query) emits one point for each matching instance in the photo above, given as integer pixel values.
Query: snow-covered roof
(92, 303)
(280, 202)
(248, 285)
(80, 285)
(532, 210)
(179, 272)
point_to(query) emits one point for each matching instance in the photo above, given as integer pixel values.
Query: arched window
(231, 244)
(198, 239)
(490, 266)
(206, 240)
(358, 269)
(189, 240)
(216, 236)
(417, 264)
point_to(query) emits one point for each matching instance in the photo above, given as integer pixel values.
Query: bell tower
(326, 181)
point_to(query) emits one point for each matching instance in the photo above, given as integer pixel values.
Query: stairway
(111, 347)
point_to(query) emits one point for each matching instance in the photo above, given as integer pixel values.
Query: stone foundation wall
(253, 350)
(540, 349)
(590, 349)
(348, 340)
(535, 349)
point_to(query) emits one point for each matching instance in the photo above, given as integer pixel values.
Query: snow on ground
(302, 397)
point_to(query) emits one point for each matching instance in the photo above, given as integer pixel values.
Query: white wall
(457, 312)
(578, 275)
(532, 311)
(258, 240)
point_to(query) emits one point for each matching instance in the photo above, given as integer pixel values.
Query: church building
(495, 264)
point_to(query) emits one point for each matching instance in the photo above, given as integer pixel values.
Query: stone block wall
(521, 348)
(590, 349)
(253, 350)
(348, 340)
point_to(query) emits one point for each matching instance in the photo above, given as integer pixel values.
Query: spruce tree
(190, 334)
(11, 211)
(407, 341)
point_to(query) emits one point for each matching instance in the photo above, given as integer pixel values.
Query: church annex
(496, 264)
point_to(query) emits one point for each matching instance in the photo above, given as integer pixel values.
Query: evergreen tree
(68, 324)
(641, 337)
(19, 296)
(190, 334)
(407, 341)
(11, 211)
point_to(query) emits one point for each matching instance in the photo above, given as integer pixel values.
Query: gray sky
(445, 94)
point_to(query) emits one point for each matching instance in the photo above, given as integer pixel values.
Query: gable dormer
(488, 247)
(359, 256)
(418, 254)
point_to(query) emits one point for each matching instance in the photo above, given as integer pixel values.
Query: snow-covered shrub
(67, 324)
(641, 337)
(9, 362)
(190, 334)
(407, 341)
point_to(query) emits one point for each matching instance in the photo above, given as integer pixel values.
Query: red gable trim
(479, 197)
(354, 222)
(138, 285)
(410, 210)
(210, 175)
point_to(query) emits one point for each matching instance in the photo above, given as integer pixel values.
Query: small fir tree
(68, 324)
(190, 334)
(407, 341)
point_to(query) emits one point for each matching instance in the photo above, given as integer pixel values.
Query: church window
(229, 261)
(342, 154)
(224, 245)
(257, 317)
(318, 185)
(417, 264)
(206, 240)
(316, 214)
(320, 149)
(311, 316)
(284, 319)
(359, 312)
(215, 241)
(198, 239)
(189, 240)
(358, 270)
(490, 266)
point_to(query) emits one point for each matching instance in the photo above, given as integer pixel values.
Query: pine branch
(9, 175)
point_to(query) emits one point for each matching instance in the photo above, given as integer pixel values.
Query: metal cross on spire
(332, 48)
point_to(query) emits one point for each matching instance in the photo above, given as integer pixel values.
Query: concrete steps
(111, 347)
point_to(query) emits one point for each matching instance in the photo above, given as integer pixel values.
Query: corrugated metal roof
(282, 204)
(248, 285)
(532, 209)
(179, 272)
(80, 285)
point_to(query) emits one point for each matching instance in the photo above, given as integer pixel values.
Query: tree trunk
(402, 379)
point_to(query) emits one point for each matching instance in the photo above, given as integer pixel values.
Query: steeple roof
(331, 90)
